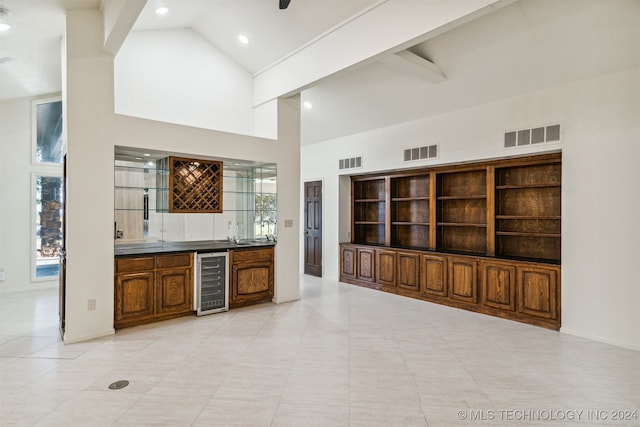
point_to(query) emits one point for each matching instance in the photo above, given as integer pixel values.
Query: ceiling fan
(284, 4)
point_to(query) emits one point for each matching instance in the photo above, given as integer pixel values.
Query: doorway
(313, 228)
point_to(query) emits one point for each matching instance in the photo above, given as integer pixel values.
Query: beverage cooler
(212, 283)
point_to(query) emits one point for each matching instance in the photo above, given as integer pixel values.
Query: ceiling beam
(409, 62)
(119, 17)
(360, 41)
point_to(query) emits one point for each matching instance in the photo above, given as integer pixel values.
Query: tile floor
(340, 356)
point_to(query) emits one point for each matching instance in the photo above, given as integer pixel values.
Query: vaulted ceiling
(525, 46)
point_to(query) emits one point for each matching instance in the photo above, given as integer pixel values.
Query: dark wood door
(313, 228)
(366, 264)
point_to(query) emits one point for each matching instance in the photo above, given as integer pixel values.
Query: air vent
(351, 163)
(421, 153)
(539, 135)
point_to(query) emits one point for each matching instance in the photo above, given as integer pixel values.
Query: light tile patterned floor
(341, 356)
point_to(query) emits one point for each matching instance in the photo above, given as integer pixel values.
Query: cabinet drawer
(252, 255)
(170, 261)
(130, 265)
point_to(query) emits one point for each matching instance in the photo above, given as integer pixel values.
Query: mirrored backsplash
(141, 190)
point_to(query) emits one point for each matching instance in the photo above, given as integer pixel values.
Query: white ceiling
(526, 46)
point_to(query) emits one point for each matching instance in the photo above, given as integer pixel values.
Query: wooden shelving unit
(462, 211)
(410, 206)
(195, 185)
(528, 211)
(481, 236)
(369, 211)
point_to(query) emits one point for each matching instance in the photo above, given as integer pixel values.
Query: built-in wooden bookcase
(481, 236)
(507, 208)
(528, 211)
(369, 211)
(462, 211)
(410, 208)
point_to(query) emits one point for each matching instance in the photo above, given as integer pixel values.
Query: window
(47, 188)
(48, 225)
(47, 131)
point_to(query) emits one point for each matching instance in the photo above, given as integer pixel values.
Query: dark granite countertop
(201, 246)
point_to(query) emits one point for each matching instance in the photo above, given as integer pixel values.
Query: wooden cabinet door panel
(433, 275)
(251, 281)
(463, 279)
(366, 265)
(538, 291)
(386, 267)
(409, 270)
(174, 291)
(134, 296)
(498, 285)
(348, 262)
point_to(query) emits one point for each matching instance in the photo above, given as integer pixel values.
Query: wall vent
(421, 153)
(538, 135)
(350, 163)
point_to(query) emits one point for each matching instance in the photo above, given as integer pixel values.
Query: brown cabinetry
(252, 276)
(152, 288)
(484, 236)
(463, 278)
(518, 290)
(409, 270)
(348, 262)
(386, 267)
(538, 291)
(433, 275)
(366, 264)
(498, 285)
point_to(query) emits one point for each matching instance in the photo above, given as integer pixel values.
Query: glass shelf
(141, 191)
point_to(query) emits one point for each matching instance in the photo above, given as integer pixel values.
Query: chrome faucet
(236, 237)
(230, 236)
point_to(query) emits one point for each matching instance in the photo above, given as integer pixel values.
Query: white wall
(93, 131)
(177, 76)
(600, 119)
(16, 234)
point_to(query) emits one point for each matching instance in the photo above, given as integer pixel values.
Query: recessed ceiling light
(243, 39)
(162, 10)
(307, 105)
(4, 27)
(147, 155)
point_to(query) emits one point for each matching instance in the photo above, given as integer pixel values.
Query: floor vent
(421, 153)
(542, 134)
(350, 163)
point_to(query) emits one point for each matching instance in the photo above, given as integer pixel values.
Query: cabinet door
(251, 281)
(433, 275)
(174, 291)
(348, 262)
(386, 267)
(366, 265)
(134, 299)
(409, 270)
(538, 291)
(498, 285)
(463, 279)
